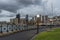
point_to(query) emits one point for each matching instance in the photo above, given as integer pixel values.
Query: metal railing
(12, 28)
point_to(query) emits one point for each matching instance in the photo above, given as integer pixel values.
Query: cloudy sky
(9, 8)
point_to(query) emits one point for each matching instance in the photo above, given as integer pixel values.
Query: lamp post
(38, 23)
(27, 21)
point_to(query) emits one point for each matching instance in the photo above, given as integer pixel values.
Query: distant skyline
(32, 7)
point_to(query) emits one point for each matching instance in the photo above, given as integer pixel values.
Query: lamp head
(38, 15)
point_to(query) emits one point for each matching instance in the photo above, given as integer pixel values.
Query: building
(11, 21)
(14, 21)
(18, 17)
(32, 21)
(46, 19)
(22, 21)
(2, 23)
(56, 20)
(42, 19)
(51, 21)
(26, 19)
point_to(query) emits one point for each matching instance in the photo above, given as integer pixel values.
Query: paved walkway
(26, 35)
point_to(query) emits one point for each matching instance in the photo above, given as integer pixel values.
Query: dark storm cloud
(9, 8)
(28, 2)
(17, 4)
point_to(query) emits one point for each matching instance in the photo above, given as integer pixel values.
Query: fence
(11, 28)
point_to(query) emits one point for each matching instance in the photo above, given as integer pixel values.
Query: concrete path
(26, 35)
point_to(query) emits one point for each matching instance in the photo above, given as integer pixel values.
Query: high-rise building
(40, 18)
(44, 18)
(26, 18)
(18, 16)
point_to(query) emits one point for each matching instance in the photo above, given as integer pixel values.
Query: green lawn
(51, 35)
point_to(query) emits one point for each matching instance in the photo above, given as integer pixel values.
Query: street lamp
(27, 21)
(38, 23)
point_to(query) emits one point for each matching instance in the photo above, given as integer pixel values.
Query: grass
(51, 35)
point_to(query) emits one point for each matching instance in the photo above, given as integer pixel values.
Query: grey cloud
(5, 13)
(11, 8)
(17, 4)
(11, 15)
(27, 2)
